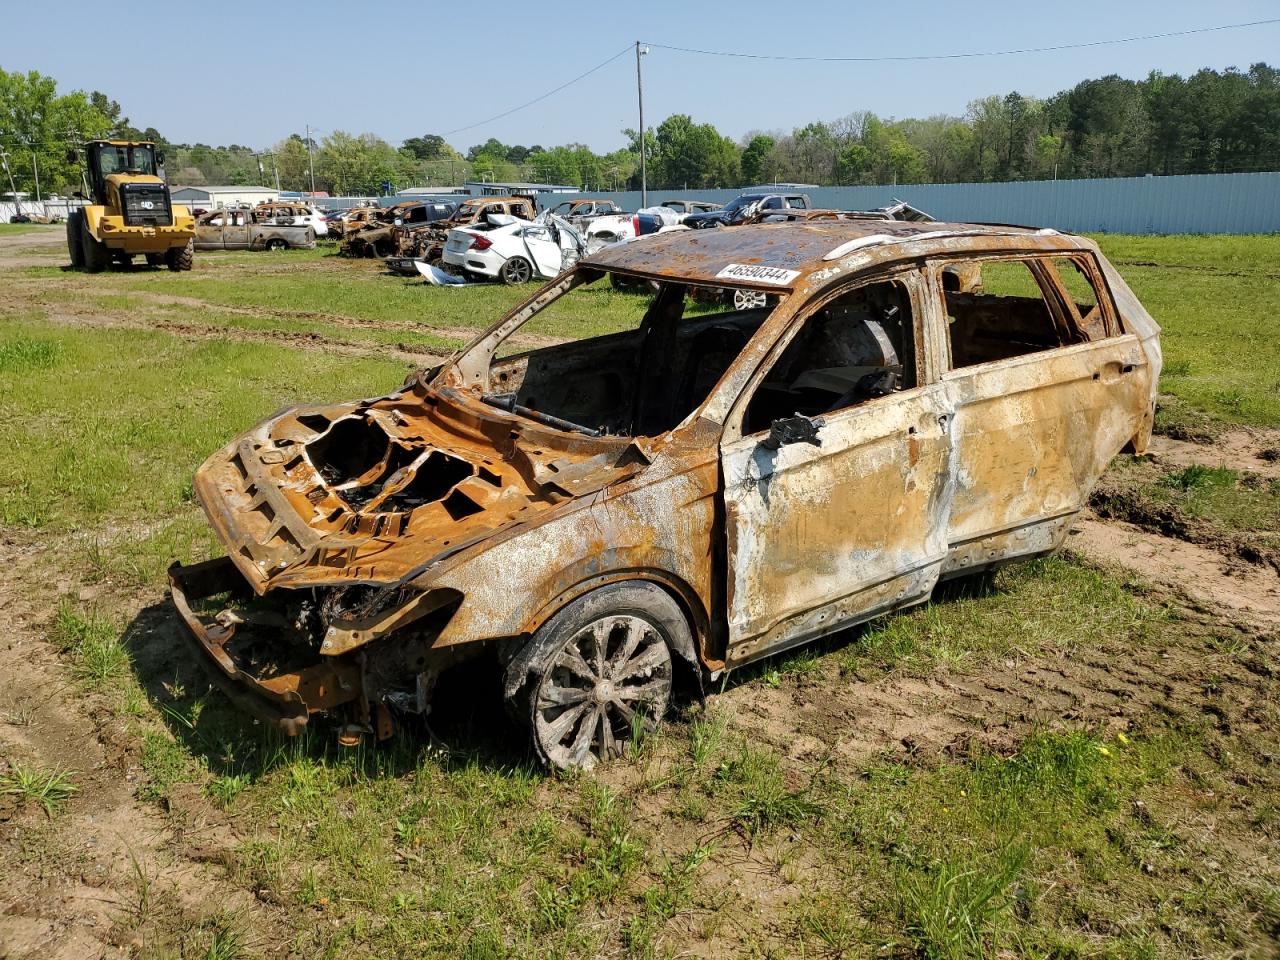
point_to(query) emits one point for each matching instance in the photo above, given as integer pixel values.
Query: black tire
(96, 254)
(516, 271)
(181, 258)
(277, 243)
(75, 242)
(625, 284)
(595, 671)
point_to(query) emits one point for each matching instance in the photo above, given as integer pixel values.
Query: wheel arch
(684, 596)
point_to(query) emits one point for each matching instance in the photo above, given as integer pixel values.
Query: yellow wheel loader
(132, 211)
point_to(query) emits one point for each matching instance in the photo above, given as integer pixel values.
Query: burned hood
(377, 491)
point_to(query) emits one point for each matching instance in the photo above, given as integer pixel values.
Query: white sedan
(516, 251)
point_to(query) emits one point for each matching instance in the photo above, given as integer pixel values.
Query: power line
(507, 113)
(963, 56)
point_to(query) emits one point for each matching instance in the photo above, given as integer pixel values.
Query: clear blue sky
(253, 72)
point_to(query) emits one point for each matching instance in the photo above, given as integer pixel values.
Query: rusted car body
(925, 401)
(353, 220)
(374, 235)
(244, 230)
(580, 212)
(427, 242)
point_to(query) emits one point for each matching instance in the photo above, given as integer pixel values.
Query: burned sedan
(689, 488)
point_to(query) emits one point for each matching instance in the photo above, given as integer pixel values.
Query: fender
(690, 605)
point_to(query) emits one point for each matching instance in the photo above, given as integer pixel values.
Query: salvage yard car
(512, 250)
(427, 243)
(236, 229)
(680, 492)
(740, 208)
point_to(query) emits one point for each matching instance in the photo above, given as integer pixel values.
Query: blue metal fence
(1211, 203)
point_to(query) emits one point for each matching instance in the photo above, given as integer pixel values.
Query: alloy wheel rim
(610, 679)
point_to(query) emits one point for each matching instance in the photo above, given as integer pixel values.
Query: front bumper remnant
(285, 699)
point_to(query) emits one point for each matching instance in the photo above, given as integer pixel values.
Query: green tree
(756, 157)
(292, 162)
(429, 146)
(37, 125)
(694, 155)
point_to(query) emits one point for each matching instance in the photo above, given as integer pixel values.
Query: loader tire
(75, 243)
(96, 254)
(180, 258)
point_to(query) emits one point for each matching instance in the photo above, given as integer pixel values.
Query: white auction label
(755, 273)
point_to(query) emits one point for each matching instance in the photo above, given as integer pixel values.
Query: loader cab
(106, 157)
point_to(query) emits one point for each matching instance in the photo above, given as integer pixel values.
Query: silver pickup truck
(242, 230)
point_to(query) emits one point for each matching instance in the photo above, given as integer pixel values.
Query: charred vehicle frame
(926, 400)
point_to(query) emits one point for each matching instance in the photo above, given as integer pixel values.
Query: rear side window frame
(1061, 305)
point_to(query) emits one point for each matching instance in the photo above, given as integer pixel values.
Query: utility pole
(644, 174)
(311, 163)
(4, 158)
(35, 171)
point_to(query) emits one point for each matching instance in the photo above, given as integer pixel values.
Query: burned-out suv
(687, 491)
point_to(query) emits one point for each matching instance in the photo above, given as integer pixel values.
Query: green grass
(1049, 604)
(13, 229)
(1216, 299)
(134, 413)
(93, 643)
(48, 789)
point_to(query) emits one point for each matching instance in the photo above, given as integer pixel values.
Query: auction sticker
(755, 273)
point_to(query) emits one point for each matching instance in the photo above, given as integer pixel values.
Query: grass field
(1064, 762)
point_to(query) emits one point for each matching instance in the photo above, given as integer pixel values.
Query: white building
(214, 198)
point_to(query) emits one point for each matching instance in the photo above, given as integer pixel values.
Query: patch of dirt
(94, 880)
(822, 717)
(460, 334)
(16, 249)
(1127, 496)
(1243, 449)
(463, 334)
(1247, 593)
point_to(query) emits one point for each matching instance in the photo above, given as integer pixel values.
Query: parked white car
(514, 251)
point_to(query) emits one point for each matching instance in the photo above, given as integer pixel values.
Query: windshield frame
(740, 203)
(131, 154)
(468, 370)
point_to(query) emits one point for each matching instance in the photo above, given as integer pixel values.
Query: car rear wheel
(276, 243)
(515, 271)
(599, 673)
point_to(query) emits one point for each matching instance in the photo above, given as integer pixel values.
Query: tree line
(1209, 122)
